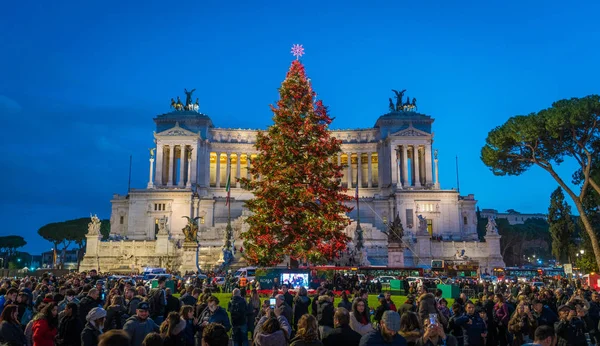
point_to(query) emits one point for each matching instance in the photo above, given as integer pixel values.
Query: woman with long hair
(172, 330)
(116, 314)
(501, 317)
(522, 325)
(45, 326)
(307, 333)
(187, 314)
(254, 307)
(11, 333)
(70, 327)
(360, 320)
(410, 328)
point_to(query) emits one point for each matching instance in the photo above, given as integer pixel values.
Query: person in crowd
(287, 296)
(387, 333)
(307, 333)
(428, 306)
(283, 307)
(139, 325)
(116, 315)
(345, 302)
(69, 327)
(474, 328)
(187, 314)
(153, 339)
(131, 301)
(360, 319)
(342, 334)
(70, 296)
(11, 333)
(45, 326)
(173, 304)
(325, 311)
(544, 336)
(94, 327)
(389, 302)
(172, 330)
(157, 300)
(544, 315)
(214, 334)
(212, 314)
(10, 297)
(381, 308)
(488, 307)
(301, 304)
(87, 303)
(410, 327)
(434, 335)
(238, 310)
(570, 330)
(114, 338)
(254, 308)
(409, 305)
(501, 318)
(273, 329)
(191, 298)
(522, 325)
(25, 308)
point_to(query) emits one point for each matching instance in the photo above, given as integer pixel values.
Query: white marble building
(393, 162)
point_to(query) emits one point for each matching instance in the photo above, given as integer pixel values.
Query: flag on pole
(356, 193)
(228, 186)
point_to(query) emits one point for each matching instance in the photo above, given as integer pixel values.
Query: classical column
(399, 166)
(437, 176)
(238, 170)
(158, 178)
(218, 173)
(405, 165)
(428, 168)
(171, 165)
(370, 170)
(417, 166)
(394, 164)
(359, 169)
(228, 171)
(188, 183)
(181, 182)
(150, 183)
(339, 163)
(349, 170)
(248, 163)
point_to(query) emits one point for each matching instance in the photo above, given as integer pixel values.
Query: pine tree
(298, 207)
(561, 225)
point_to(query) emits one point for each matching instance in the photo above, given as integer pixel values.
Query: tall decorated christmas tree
(298, 207)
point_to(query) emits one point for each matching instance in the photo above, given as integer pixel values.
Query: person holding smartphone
(434, 334)
(522, 325)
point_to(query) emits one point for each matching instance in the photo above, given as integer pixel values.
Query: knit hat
(391, 320)
(95, 314)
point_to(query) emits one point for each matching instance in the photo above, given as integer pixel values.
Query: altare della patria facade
(179, 220)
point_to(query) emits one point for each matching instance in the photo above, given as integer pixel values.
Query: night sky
(81, 81)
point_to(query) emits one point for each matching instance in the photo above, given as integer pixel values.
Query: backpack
(155, 302)
(238, 312)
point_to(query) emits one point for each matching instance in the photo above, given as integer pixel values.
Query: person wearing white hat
(93, 327)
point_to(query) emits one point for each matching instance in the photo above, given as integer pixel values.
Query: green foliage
(562, 226)
(9, 245)
(569, 129)
(514, 238)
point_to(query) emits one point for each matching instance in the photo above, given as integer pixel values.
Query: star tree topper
(297, 51)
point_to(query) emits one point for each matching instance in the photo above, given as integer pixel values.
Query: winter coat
(343, 335)
(570, 333)
(427, 305)
(116, 316)
(86, 304)
(301, 304)
(278, 338)
(218, 316)
(346, 304)
(137, 329)
(177, 337)
(450, 341)
(472, 332)
(90, 335)
(43, 334)
(297, 341)
(325, 312)
(358, 327)
(69, 331)
(374, 338)
(133, 304)
(11, 334)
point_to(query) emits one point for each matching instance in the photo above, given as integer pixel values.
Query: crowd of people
(86, 310)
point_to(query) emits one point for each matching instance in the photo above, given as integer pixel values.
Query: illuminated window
(430, 226)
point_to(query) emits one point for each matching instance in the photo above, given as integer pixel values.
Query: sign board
(568, 268)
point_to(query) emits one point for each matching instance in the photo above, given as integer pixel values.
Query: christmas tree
(298, 207)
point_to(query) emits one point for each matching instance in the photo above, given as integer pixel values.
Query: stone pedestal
(162, 244)
(395, 255)
(188, 258)
(494, 258)
(423, 250)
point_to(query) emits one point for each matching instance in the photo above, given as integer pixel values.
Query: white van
(248, 272)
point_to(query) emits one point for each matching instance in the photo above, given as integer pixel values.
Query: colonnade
(411, 165)
(218, 174)
(168, 172)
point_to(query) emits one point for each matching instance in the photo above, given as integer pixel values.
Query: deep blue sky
(81, 81)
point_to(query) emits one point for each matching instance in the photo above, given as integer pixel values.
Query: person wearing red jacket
(388, 300)
(45, 326)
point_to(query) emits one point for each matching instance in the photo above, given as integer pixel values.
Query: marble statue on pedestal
(94, 225)
(422, 229)
(491, 227)
(162, 226)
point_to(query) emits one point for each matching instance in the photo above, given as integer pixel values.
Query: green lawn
(224, 298)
